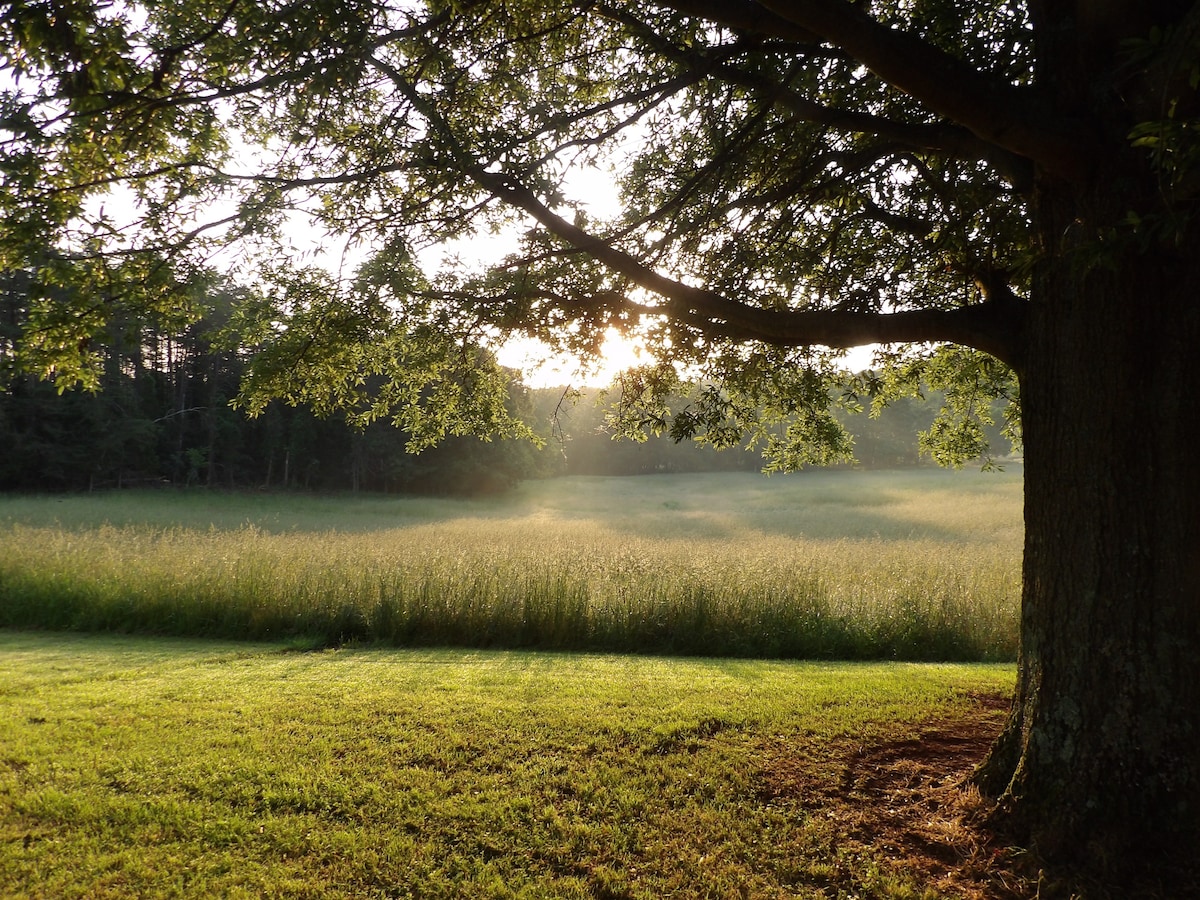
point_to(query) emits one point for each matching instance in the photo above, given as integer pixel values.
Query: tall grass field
(923, 565)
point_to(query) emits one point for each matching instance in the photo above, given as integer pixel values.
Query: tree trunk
(1100, 763)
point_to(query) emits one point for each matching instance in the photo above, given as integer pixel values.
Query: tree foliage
(162, 413)
(776, 194)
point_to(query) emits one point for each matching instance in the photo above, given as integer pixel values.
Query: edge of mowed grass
(163, 767)
(919, 566)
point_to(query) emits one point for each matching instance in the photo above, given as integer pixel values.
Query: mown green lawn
(138, 767)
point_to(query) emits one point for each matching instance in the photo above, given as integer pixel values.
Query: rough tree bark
(1102, 755)
(1100, 763)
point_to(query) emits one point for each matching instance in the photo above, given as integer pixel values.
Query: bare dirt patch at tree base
(907, 804)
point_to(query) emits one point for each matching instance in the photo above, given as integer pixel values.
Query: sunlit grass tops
(920, 565)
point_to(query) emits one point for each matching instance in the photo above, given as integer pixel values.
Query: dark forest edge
(162, 415)
(134, 435)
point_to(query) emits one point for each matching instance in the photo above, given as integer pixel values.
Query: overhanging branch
(1009, 117)
(748, 17)
(951, 140)
(993, 326)
(938, 137)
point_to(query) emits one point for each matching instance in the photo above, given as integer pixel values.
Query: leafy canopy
(778, 199)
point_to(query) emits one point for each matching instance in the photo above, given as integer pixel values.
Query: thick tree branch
(1012, 118)
(993, 326)
(748, 17)
(954, 140)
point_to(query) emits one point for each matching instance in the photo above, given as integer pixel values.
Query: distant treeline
(163, 416)
(585, 447)
(172, 425)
